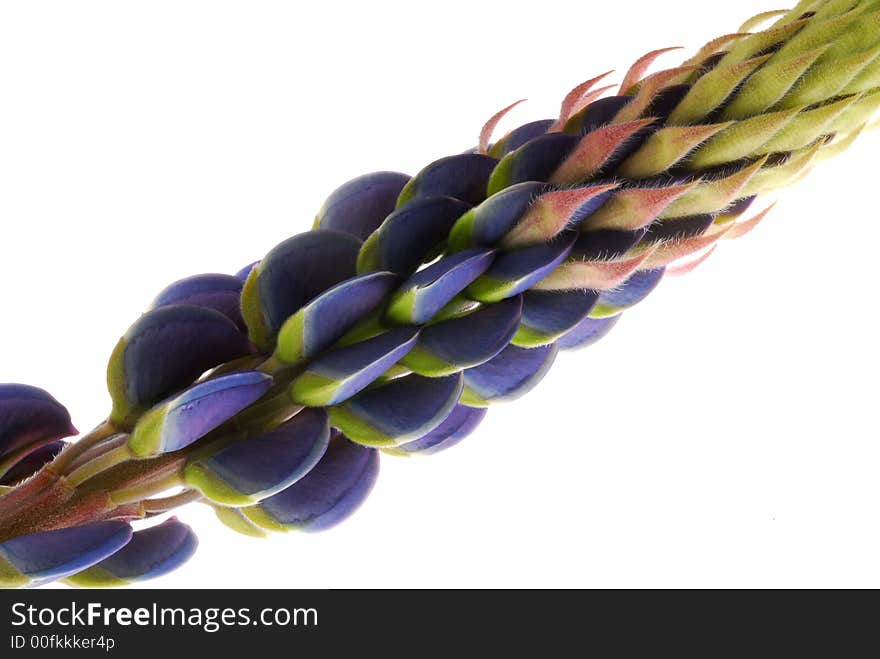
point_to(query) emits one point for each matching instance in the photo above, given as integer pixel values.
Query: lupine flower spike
(417, 302)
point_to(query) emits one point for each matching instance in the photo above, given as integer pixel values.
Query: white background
(723, 435)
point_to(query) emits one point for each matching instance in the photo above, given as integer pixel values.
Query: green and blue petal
(510, 374)
(39, 558)
(460, 423)
(451, 345)
(635, 289)
(519, 136)
(30, 416)
(327, 495)
(597, 114)
(249, 470)
(150, 553)
(166, 350)
(189, 416)
(327, 318)
(336, 376)
(397, 411)
(517, 271)
(411, 235)
(293, 273)
(32, 462)
(485, 225)
(463, 176)
(245, 272)
(536, 160)
(587, 332)
(548, 315)
(426, 292)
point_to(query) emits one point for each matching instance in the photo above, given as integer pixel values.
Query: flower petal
(410, 235)
(515, 272)
(426, 292)
(30, 416)
(245, 272)
(38, 558)
(339, 374)
(164, 351)
(293, 273)
(150, 553)
(249, 470)
(31, 463)
(327, 495)
(463, 177)
(449, 346)
(398, 411)
(587, 332)
(460, 423)
(213, 291)
(359, 206)
(180, 421)
(519, 136)
(326, 319)
(510, 374)
(486, 224)
(547, 315)
(595, 115)
(536, 160)
(631, 292)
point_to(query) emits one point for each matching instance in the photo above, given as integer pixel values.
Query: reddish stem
(69, 512)
(14, 502)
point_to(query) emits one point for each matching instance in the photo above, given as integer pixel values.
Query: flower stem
(26, 494)
(164, 504)
(101, 463)
(60, 510)
(49, 502)
(141, 491)
(127, 512)
(272, 365)
(97, 450)
(32, 507)
(99, 434)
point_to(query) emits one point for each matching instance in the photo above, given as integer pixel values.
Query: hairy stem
(68, 510)
(38, 509)
(19, 498)
(47, 501)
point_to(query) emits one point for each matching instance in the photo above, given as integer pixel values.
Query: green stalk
(103, 462)
(165, 504)
(103, 431)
